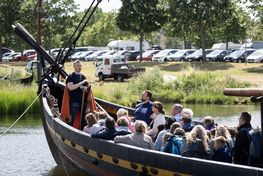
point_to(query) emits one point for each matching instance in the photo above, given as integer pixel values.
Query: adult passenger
(109, 132)
(176, 112)
(91, 120)
(139, 138)
(242, 142)
(196, 143)
(157, 118)
(143, 110)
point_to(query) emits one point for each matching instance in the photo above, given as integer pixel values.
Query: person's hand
(83, 82)
(85, 88)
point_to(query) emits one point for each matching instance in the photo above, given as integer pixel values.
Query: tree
(140, 17)
(103, 30)
(198, 16)
(234, 27)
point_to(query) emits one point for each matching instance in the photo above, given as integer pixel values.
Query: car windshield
(237, 53)
(163, 52)
(216, 52)
(95, 53)
(257, 53)
(180, 53)
(147, 53)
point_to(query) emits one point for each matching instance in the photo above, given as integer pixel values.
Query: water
(24, 150)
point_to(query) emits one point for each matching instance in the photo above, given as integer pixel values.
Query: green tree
(234, 27)
(198, 16)
(140, 17)
(103, 30)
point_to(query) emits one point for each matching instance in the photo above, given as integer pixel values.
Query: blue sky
(106, 5)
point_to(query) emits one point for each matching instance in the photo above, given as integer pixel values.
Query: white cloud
(106, 5)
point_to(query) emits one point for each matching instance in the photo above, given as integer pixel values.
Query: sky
(106, 5)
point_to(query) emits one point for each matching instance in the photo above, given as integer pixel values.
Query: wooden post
(38, 11)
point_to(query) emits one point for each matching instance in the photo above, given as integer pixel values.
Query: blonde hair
(122, 121)
(198, 132)
(140, 126)
(122, 112)
(222, 131)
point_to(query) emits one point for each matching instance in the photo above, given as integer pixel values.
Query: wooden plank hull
(72, 148)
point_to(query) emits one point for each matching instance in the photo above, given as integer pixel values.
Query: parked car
(256, 56)
(93, 56)
(107, 54)
(218, 55)
(147, 55)
(132, 55)
(26, 55)
(84, 54)
(163, 55)
(75, 56)
(6, 50)
(197, 55)
(9, 57)
(180, 55)
(238, 55)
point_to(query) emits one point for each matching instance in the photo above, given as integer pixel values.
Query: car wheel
(101, 77)
(165, 59)
(120, 78)
(261, 61)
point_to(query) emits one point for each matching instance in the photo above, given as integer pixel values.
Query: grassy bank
(193, 83)
(191, 86)
(15, 98)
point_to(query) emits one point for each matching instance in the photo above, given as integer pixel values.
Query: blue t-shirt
(143, 112)
(76, 95)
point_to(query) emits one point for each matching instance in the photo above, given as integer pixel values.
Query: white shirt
(158, 120)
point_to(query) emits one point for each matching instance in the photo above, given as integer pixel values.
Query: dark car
(218, 55)
(239, 55)
(197, 55)
(132, 55)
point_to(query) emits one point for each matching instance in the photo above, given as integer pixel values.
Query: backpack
(255, 140)
(176, 145)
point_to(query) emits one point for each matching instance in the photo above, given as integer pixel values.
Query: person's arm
(72, 86)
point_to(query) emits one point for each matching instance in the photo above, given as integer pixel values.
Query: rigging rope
(20, 116)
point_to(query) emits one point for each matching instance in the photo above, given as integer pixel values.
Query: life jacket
(65, 109)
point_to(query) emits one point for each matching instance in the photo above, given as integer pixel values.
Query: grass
(15, 98)
(195, 83)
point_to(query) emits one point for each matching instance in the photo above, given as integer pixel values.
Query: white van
(253, 45)
(257, 56)
(128, 45)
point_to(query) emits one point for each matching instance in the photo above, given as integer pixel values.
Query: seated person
(100, 125)
(174, 143)
(157, 118)
(91, 120)
(196, 143)
(122, 125)
(158, 141)
(165, 138)
(143, 110)
(139, 138)
(222, 152)
(209, 123)
(109, 132)
(176, 112)
(174, 126)
(186, 123)
(124, 113)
